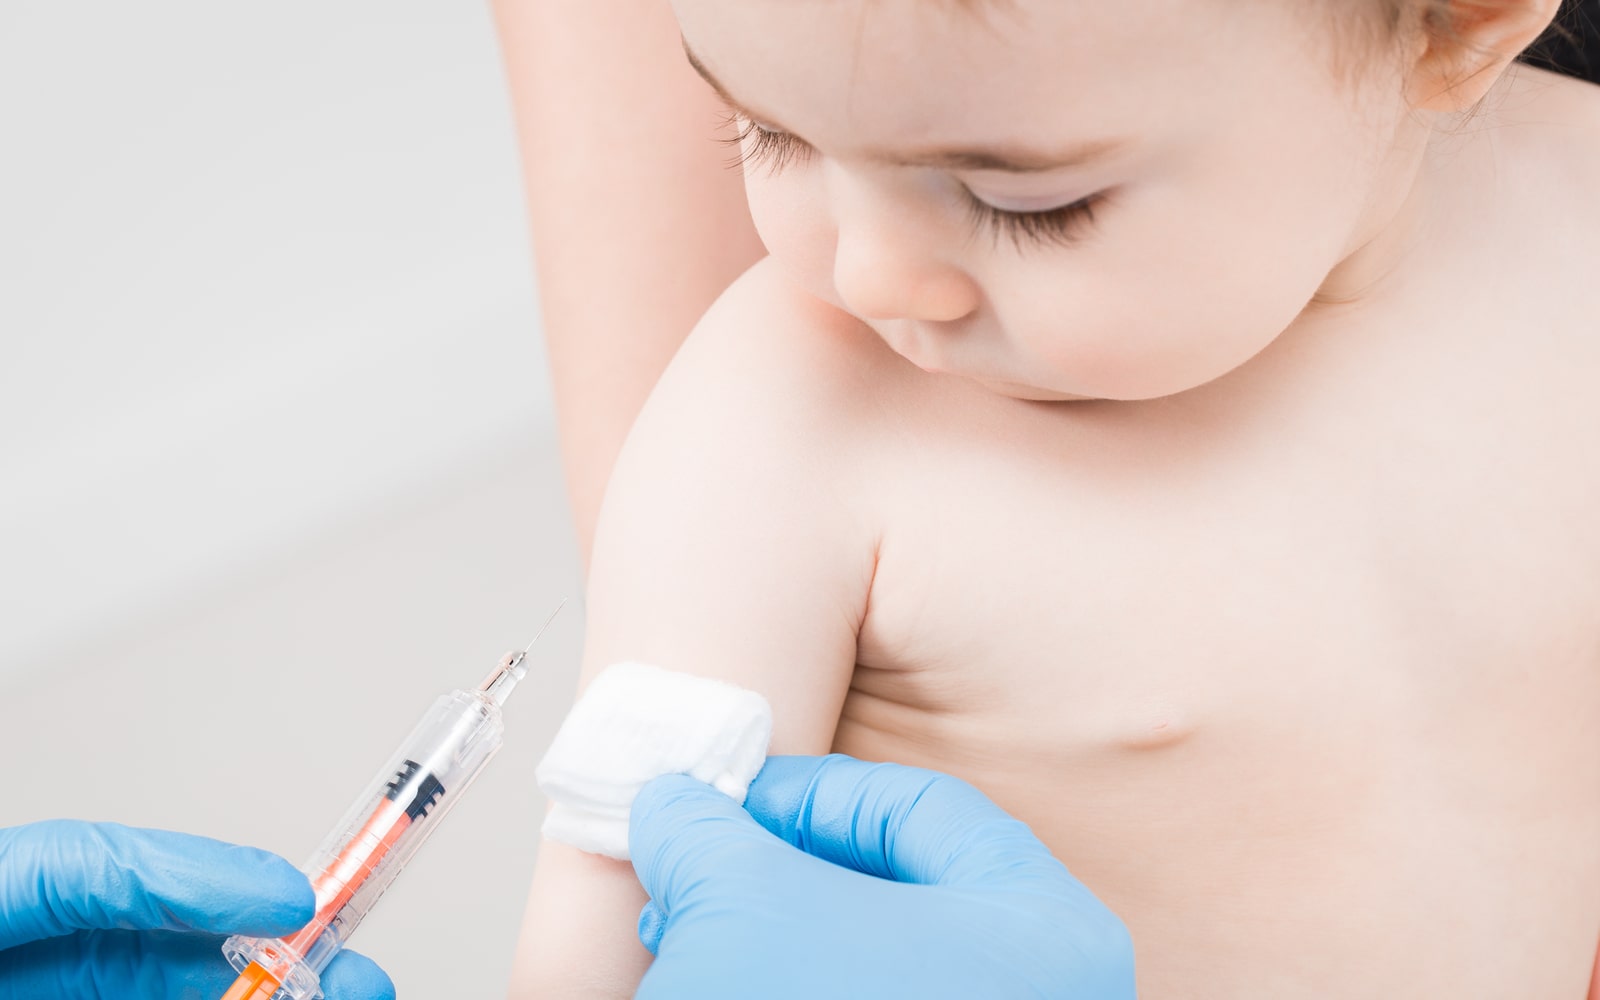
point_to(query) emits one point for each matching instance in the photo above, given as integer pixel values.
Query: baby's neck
(1393, 227)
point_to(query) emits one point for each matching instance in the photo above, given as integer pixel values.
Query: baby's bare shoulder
(1554, 122)
(770, 360)
(1545, 132)
(755, 440)
(767, 320)
(1558, 98)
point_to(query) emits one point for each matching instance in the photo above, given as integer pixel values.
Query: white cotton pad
(636, 722)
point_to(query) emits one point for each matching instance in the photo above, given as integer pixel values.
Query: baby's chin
(1031, 393)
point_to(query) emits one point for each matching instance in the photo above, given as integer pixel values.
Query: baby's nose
(883, 269)
(877, 283)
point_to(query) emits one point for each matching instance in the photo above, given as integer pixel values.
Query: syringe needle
(529, 647)
(510, 670)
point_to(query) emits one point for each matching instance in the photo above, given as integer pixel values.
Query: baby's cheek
(1082, 336)
(1141, 339)
(792, 219)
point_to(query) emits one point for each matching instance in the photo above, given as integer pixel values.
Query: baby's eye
(761, 145)
(767, 146)
(1058, 227)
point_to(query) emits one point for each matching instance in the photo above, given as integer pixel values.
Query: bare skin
(1297, 668)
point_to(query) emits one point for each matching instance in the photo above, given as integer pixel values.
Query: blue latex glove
(98, 910)
(906, 883)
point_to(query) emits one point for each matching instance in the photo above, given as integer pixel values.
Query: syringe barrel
(377, 837)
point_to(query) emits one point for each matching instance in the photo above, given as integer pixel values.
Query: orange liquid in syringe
(361, 856)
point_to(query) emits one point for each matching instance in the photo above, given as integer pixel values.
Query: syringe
(379, 835)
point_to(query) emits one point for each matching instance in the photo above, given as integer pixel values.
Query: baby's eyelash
(1053, 227)
(770, 148)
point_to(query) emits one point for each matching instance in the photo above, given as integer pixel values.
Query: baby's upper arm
(731, 544)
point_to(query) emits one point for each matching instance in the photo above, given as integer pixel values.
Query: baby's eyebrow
(705, 74)
(1001, 159)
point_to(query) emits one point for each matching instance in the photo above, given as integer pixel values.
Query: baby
(1176, 418)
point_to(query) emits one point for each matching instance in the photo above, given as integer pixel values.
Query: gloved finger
(156, 965)
(100, 965)
(61, 876)
(683, 832)
(353, 976)
(902, 823)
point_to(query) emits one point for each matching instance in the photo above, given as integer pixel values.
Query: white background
(276, 453)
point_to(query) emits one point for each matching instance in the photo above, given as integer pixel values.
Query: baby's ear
(1465, 46)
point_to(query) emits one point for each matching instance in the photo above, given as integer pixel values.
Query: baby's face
(1056, 198)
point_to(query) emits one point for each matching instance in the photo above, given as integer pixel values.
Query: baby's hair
(1365, 33)
(1376, 26)
(1364, 30)
(1389, 21)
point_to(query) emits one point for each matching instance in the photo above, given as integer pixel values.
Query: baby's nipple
(1154, 725)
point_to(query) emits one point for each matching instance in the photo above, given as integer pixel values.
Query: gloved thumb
(683, 836)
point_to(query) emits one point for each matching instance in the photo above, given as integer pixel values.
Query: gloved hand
(905, 883)
(99, 910)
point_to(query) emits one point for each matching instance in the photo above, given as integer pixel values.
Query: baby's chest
(1245, 692)
(1149, 590)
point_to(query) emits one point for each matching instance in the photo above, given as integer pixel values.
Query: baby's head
(1076, 198)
